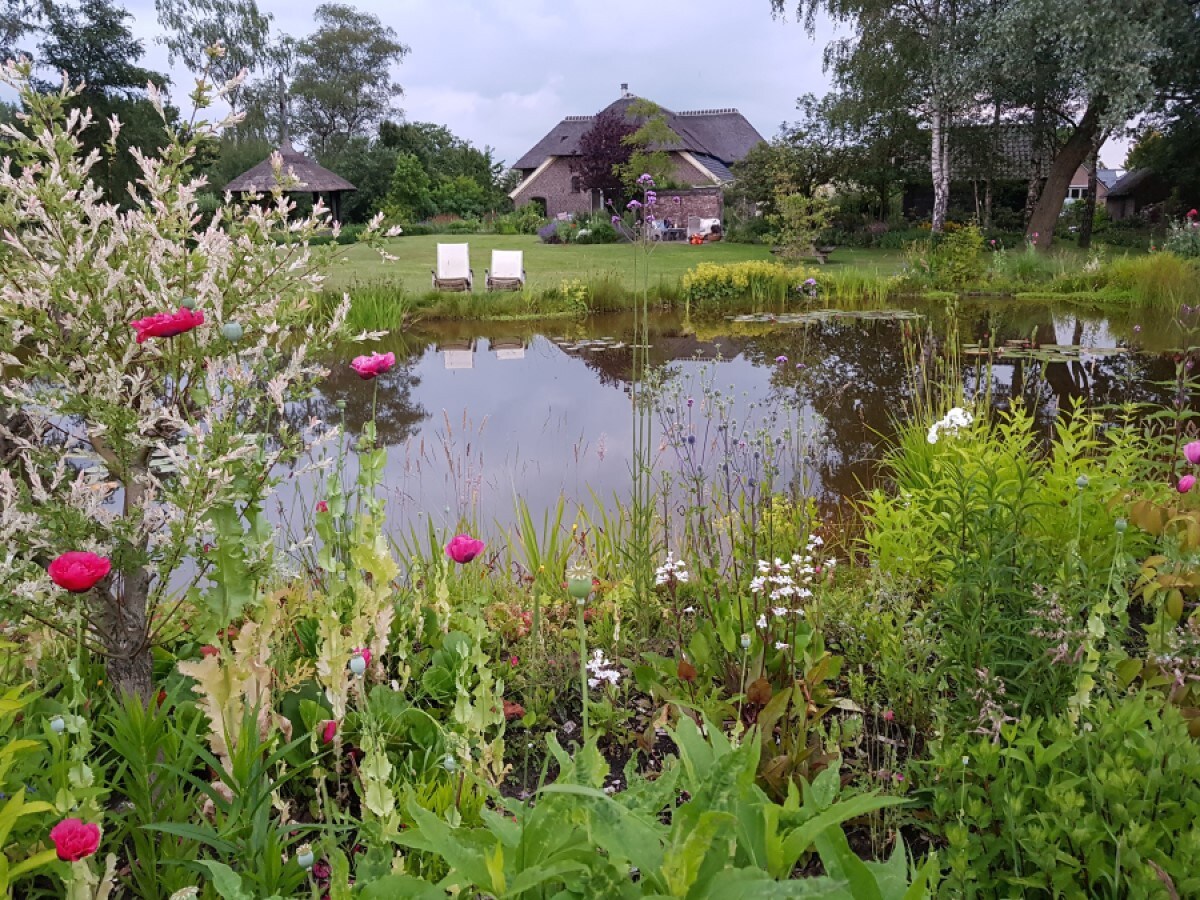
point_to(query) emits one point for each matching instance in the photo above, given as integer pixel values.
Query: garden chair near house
(453, 272)
(507, 272)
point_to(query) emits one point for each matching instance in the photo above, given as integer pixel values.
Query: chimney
(624, 89)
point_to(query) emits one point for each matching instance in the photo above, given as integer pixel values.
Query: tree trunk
(122, 616)
(939, 169)
(1089, 209)
(1034, 189)
(1042, 222)
(123, 624)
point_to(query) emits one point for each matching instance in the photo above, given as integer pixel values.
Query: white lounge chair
(453, 272)
(507, 272)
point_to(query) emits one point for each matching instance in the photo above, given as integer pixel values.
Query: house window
(576, 184)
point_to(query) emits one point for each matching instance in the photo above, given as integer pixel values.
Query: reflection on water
(479, 414)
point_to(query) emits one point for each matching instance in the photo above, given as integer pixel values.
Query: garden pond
(477, 415)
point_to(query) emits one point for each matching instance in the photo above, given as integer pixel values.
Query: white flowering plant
(149, 358)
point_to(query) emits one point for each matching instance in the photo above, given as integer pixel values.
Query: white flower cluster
(602, 670)
(672, 570)
(785, 583)
(955, 419)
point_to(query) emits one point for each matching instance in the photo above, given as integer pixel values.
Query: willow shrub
(160, 351)
(986, 520)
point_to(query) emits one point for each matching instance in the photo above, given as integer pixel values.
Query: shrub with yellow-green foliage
(708, 284)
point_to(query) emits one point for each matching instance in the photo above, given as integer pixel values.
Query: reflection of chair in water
(453, 272)
(458, 354)
(507, 272)
(509, 348)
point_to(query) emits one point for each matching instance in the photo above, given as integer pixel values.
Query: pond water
(476, 415)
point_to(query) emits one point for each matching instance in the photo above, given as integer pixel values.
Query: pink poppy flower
(77, 571)
(322, 506)
(463, 548)
(329, 731)
(368, 367)
(1192, 452)
(167, 324)
(1186, 483)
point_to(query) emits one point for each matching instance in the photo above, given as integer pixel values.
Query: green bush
(598, 233)
(1021, 267)
(462, 226)
(1183, 238)
(980, 516)
(1074, 809)
(705, 286)
(523, 220)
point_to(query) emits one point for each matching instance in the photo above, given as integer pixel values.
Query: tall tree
(934, 42)
(647, 144)
(91, 42)
(17, 18)
(192, 26)
(1084, 69)
(342, 85)
(602, 148)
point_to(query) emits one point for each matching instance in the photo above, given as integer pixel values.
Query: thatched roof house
(704, 145)
(310, 178)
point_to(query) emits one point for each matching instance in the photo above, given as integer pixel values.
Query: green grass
(547, 265)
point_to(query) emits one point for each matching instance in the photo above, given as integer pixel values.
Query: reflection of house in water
(458, 354)
(613, 358)
(509, 348)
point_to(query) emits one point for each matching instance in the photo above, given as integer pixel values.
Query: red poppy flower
(77, 571)
(75, 839)
(167, 324)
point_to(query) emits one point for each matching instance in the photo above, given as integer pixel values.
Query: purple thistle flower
(781, 359)
(616, 220)
(646, 179)
(676, 200)
(651, 198)
(633, 204)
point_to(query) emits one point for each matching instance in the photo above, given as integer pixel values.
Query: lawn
(548, 264)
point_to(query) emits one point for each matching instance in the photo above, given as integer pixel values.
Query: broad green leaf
(391, 887)
(226, 881)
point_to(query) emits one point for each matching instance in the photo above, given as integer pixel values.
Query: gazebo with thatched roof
(310, 178)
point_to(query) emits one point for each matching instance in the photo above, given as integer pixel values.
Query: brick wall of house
(554, 186)
(707, 203)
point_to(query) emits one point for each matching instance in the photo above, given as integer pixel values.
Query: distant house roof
(971, 152)
(309, 176)
(723, 135)
(1130, 182)
(1109, 177)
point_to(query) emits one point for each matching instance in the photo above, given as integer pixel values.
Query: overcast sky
(501, 73)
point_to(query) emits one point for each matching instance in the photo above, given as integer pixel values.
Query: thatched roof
(724, 135)
(310, 178)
